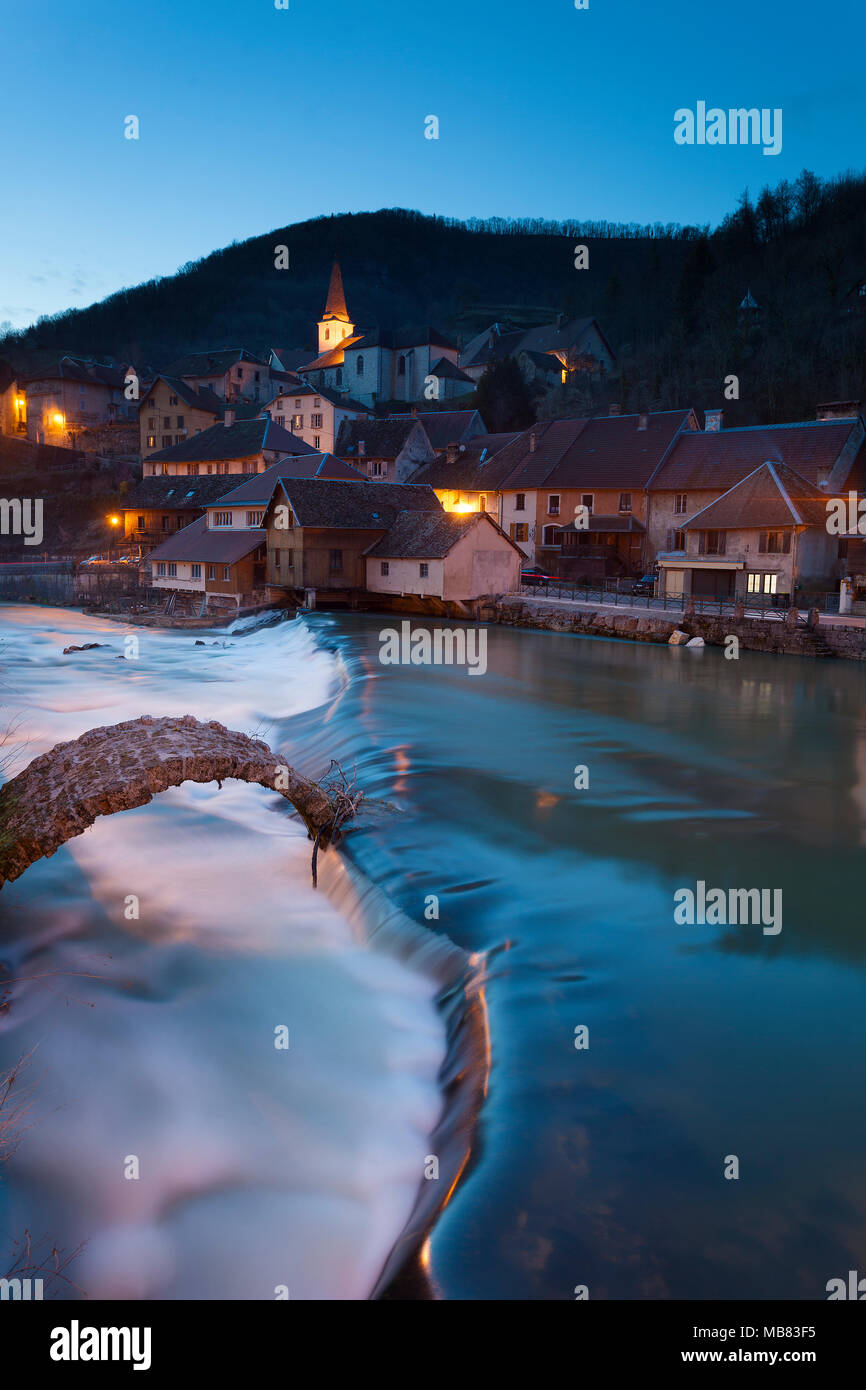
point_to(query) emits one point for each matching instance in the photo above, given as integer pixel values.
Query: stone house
(170, 410)
(70, 395)
(234, 446)
(160, 506)
(225, 566)
(444, 555)
(575, 344)
(314, 413)
(388, 450)
(233, 374)
(758, 542)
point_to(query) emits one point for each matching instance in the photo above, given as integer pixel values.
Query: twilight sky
(253, 117)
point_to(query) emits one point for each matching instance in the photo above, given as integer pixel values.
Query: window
(151, 441)
(257, 376)
(384, 568)
(625, 501)
(401, 366)
(317, 403)
(211, 571)
(290, 559)
(172, 570)
(762, 583)
(482, 503)
(151, 424)
(316, 422)
(376, 469)
(239, 373)
(227, 573)
(550, 535)
(192, 470)
(520, 502)
(167, 441)
(335, 561)
(180, 423)
(680, 503)
(166, 523)
(317, 441)
(297, 422)
(281, 420)
(222, 519)
(587, 499)
(359, 366)
(297, 405)
(172, 400)
(775, 543)
(160, 569)
(679, 540)
(423, 570)
(195, 571)
(339, 376)
(519, 531)
(553, 504)
(166, 421)
(140, 521)
(711, 542)
(327, 335)
(255, 518)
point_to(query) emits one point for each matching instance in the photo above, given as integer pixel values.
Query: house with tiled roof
(72, 394)
(760, 541)
(444, 555)
(574, 344)
(171, 409)
(388, 450)
(160, 506)
(467, 476)
(233, 374)
(233, 446)
(706, 463)
(444, 427)
(313, 413)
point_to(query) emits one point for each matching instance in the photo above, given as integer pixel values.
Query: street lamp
(113, 521)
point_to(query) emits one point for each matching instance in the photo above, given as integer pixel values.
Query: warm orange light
(58, 419)
(115, 520)
(463, 507)
(19, 400)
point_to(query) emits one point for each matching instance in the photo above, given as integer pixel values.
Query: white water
(258, 1167)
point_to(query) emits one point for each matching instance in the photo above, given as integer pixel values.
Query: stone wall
(754, 634)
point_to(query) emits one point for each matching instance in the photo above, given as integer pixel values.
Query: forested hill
(667, 297)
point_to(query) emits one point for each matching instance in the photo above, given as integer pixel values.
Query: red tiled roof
(195, 542)
(720, 458)
(772, 495)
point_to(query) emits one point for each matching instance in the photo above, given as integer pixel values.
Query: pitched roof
(444, 426)
(719, 458)
(382, 439)
(613, 451)
(243, 439)
(261, 487)
(334, 357)
(355, 506)
(290, 358)
(430, 535)
(771, 495)
(167, 494)
(197, 542)
(529, 466)
(215, 363)
(197, 398)
(443, 367)
(547, 338)
(618, 521)
(303, 388)
(335, 308)
(80, 369)
(417, 336)
(479, 465)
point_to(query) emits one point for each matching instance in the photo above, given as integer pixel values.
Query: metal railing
(609, 593)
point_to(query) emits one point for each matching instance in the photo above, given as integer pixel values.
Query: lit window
(255, 518)
(222, 519)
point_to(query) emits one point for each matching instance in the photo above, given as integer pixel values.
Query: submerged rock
(696, 642)
(88, 647)
(678, 638)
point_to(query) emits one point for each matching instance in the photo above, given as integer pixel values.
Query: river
(599, 1167)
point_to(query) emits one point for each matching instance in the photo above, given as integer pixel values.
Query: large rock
(678, 638)
(695, 642)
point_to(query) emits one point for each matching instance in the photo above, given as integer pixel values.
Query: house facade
(576, 345)
(388, 450)
(233, 374)
(73, 394)
(171, 410)
(234, 446)
(449, 556)
(158, 507)
(314, 414)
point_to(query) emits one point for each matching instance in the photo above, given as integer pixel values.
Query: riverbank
(776, 636)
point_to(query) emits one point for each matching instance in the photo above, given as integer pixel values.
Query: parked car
(645, 585)
(536, 575)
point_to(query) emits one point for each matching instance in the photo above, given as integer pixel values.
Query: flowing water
(600, 1166)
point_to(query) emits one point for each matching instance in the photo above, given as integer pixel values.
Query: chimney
(362, 448)
(532, 442)
(452, 452)
(713, 420)
(228, 418)
(643, 421)
(615, 410)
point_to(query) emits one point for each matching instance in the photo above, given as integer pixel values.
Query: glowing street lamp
(113, 521)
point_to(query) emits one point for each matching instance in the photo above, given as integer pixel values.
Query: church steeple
(335, 324)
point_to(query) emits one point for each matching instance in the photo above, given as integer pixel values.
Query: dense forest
(667, 297)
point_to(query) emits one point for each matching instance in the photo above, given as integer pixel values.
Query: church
(380, 366)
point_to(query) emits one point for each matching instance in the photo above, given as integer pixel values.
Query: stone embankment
(784, 635)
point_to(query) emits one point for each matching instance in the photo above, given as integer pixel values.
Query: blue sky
(253, 117)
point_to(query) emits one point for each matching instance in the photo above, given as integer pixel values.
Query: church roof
(336, 305)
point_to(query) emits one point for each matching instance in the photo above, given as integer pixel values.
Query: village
(254, 483)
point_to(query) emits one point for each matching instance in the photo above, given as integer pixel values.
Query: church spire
(336, 305)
